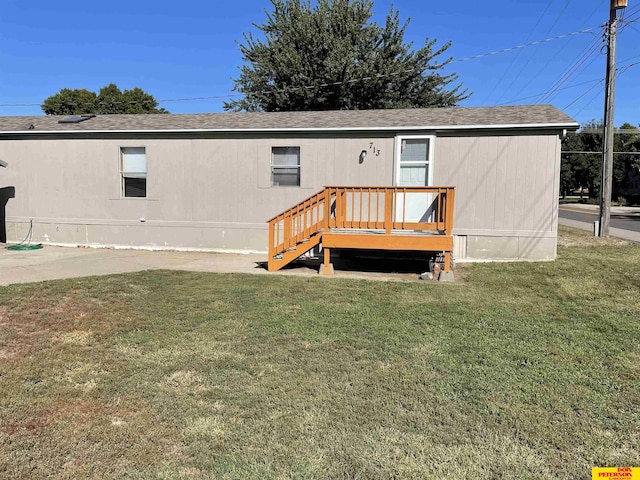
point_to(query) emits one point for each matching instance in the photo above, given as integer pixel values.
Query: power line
(513, 61)
(586, 53)
(566, 5)
(599, 153)
(621, 71)
(630, 58)
(583, 94)
(628, 19)
(595, 80)
(524, 45)
(629, 16)
(213, 97)
(569, 72)
(627, 67)
(325, 85)
(564, 45)
(632, 27)
(133, 102)
(619, 131)
(633, 17)
(580, 67)
(597, 95)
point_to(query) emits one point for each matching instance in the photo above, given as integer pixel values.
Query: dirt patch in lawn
(24, 329)
(77, 410)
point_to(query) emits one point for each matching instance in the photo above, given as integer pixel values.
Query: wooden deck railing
(385, 208)
(386, 211)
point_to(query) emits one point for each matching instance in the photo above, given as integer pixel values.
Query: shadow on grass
(374, 261)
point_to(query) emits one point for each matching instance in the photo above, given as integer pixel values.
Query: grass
(524, 370)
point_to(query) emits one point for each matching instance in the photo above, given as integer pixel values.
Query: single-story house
(211, 181)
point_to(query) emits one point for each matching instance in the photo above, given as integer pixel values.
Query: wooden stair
(363, 218)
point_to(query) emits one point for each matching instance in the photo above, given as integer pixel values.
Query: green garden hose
(26, 243)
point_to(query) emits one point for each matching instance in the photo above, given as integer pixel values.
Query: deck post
(327, 267)
(447, 261)
(449, 211)
(341, 208)
(388, 210)
(287, 220)
(272, 247)
(326, 221)
(449, 225)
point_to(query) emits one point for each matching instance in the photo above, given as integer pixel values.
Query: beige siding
(505, 184)
(216, 193)
(201, 193)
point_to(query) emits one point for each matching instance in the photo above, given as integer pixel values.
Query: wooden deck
(376, 218)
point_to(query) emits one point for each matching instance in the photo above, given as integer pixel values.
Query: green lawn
(528, 370)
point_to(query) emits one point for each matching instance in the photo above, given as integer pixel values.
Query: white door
(414, 156)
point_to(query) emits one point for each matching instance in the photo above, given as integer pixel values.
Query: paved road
(625, 221)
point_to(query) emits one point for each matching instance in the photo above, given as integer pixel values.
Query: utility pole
(607, 135)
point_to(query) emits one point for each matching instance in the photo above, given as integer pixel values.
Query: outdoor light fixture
(3, 163)
(618, 4)
(363, 155)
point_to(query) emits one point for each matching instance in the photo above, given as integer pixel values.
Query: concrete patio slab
(51, 263)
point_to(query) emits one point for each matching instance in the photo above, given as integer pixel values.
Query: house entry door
(414, 155)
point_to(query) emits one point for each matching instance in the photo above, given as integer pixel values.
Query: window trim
(430, 157)
(273, 167)
(121, 152)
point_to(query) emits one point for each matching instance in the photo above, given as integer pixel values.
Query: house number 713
(373, 147)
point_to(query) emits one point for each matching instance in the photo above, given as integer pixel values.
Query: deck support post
(447, 261)
(327, 267)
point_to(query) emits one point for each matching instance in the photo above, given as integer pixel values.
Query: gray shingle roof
(513, 116)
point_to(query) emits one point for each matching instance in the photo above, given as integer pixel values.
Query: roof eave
(520, 126)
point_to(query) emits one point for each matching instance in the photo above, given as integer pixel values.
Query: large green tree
(109, 99)
(331, 55)
(584, 169)
(626, 168)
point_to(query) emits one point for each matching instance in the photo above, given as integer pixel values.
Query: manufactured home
(212, 181)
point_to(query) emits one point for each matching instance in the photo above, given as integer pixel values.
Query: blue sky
(187, 49)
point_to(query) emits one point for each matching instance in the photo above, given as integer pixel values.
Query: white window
(285, 166)
(413, 165)
(133, 171)
(414, 168)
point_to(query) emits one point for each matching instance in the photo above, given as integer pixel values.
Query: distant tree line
(581, 173)
(108, 100)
